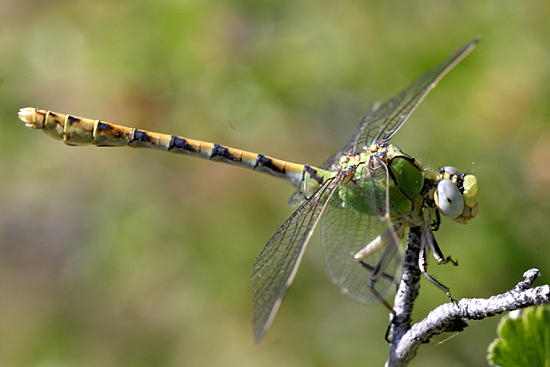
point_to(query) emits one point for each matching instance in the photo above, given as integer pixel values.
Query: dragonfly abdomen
(74, 130)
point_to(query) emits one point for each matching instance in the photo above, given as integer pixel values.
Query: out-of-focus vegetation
(131, 257)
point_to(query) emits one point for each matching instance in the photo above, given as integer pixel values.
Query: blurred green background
(119, 257)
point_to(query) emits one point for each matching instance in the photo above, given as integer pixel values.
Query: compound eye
(450, 170)
(449, 199)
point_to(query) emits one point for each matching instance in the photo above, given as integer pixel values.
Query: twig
(449, 317)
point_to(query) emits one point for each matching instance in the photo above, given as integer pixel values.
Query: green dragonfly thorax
(388, 182)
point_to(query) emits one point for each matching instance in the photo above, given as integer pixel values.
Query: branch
(407, 290)
(449, 317)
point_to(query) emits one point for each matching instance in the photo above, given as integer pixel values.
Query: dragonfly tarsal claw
(387, 335)
(448, 259)
(455, 301)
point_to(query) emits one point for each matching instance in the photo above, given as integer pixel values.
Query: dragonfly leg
(423, 266)
(434, 247)
(378, 296)
(371, 268)
(372, 282)
(437, 221)
(378, 271)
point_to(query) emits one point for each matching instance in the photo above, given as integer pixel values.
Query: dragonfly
(363, 198)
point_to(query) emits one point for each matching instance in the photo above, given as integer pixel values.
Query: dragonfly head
(456, 194)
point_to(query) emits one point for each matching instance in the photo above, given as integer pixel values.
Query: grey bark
(451, 316)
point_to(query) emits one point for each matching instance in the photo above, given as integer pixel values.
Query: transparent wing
(332, 163)
(276, 266)
(355, 216)
(382, 122)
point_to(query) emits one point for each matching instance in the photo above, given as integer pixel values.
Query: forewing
(332, 163)
(347, 227)
(382, 122)
(276, 266)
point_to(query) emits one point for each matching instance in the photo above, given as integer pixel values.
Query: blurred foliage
(126, 257)
(523, 339)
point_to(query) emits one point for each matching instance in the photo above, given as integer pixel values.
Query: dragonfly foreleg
(434, 247)
(423, 266)
(437, 221)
